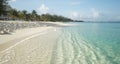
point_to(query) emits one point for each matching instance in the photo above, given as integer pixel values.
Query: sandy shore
(30, 45)
(8, 40)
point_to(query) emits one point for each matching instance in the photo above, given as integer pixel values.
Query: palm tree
(24, 14)
(34, 15)
(3, 4)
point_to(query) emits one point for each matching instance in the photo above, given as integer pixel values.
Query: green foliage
(54, 18)
(3, 4)
(14, 12)
(33, 16)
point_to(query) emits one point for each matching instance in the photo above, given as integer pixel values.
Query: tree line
(33, 16)
(13, 14)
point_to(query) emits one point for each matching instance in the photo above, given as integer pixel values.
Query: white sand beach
(28, 46)
(11, 39)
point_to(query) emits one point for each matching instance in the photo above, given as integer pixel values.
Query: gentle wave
(71, 49)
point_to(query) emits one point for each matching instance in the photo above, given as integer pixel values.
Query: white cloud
(43, 9)
(12, 0)
(75, 15)
(95, 13)
(75, 3)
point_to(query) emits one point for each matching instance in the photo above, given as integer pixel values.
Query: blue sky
(88, 10)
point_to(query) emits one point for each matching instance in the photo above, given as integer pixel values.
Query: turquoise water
(88, 43)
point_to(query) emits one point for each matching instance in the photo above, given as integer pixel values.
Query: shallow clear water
(88, 43)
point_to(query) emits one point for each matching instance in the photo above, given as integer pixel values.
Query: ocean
(88, 43)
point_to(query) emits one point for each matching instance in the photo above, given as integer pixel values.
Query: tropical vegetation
(7, 12)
